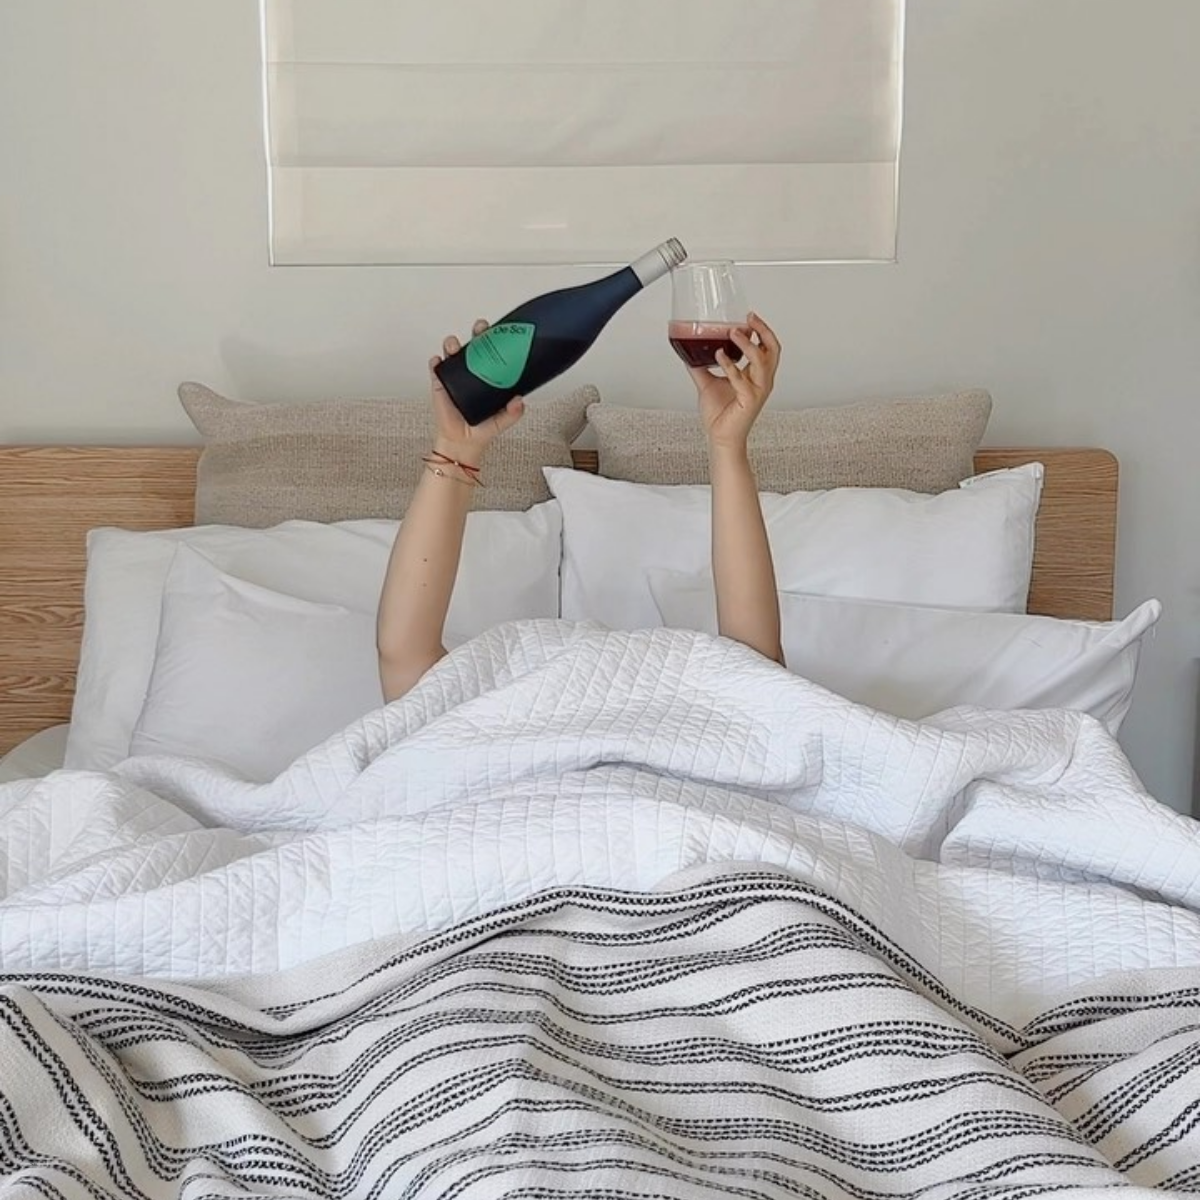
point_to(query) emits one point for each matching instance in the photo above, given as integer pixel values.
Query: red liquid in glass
(697, 343)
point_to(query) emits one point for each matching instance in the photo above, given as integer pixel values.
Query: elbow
(764, 641)
(400, 672)
(772, 651)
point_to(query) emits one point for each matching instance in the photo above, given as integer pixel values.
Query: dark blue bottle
(545, 336)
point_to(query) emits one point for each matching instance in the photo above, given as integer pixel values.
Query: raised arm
(743, 570)
(425, 556)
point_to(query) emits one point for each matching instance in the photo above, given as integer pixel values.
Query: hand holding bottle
(543, 337)
(730, 404)
(456, 438)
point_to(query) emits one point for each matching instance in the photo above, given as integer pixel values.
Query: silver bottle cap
(674, 255)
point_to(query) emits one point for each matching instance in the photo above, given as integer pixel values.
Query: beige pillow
(342, 460)
(923, 445)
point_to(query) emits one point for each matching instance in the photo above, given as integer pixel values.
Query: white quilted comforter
(1006, 859)
(545, 754)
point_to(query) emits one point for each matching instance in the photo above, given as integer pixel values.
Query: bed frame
(50, 496)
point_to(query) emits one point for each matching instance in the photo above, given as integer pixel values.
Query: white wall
(1050, 251)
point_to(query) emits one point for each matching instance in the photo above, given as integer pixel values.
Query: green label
(499, 356)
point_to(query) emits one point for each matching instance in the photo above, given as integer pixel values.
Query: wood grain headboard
(50, 496)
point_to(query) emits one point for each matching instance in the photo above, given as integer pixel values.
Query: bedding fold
(613, 913)
(546, 754)
(734, 1034)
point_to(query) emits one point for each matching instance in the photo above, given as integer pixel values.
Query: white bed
(648, 862)
(619, 913)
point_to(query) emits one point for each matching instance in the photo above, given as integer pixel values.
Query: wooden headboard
(50, 496)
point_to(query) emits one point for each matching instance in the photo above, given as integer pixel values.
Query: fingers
(736, 376)
(451, 345)
(703, 377)
(756, 354)
(765, 361)
(435, 382)
(766, 334)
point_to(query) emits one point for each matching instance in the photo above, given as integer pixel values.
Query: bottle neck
(659, 261)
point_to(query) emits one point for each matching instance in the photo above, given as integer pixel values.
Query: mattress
(37, 756)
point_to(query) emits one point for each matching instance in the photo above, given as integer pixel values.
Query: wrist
(464, 452)
(733, 453)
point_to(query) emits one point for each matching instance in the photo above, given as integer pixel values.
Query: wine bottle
(544, 337)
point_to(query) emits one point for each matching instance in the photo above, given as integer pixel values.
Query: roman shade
(548, 131)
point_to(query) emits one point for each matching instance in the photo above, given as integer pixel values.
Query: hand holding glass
(707, 306)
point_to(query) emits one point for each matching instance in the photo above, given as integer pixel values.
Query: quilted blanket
(606, 914)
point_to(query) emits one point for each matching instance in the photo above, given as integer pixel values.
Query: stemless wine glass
(707, 306)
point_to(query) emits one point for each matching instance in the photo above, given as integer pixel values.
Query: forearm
(420, 580)
(743, 570)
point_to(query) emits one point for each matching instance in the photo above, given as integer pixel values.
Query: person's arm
(425, 556)
(743, 570)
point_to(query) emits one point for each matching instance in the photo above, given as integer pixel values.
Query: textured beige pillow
(342, 460)
(923, 445)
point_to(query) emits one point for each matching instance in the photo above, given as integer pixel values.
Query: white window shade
(546, 131)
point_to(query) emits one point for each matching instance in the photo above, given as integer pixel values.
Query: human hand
(456, 439)
(729, 406)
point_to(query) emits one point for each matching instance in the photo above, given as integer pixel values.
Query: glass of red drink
(708, 304)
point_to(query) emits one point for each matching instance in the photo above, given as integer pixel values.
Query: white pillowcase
(969, 548)
(250, 677)
(509, 570)
(36, 756)
(914, 662)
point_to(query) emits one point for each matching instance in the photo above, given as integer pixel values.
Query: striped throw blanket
(736, 1033)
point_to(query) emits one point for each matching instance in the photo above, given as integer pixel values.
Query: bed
(613, 913)
(50, 496)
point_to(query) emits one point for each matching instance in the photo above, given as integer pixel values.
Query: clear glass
(707, 305)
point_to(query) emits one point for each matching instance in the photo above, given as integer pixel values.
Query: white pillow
(250, 677)
(36, 756)
(968, 548)
(914, 662)
(509, 571)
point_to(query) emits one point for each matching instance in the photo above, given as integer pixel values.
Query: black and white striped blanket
(737, 1034)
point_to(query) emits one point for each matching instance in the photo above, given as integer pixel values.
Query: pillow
(969, 548)
(925, 445)
(250, 677)
(509, 570)
(36, 756)
(345, 460)
(914, 662)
